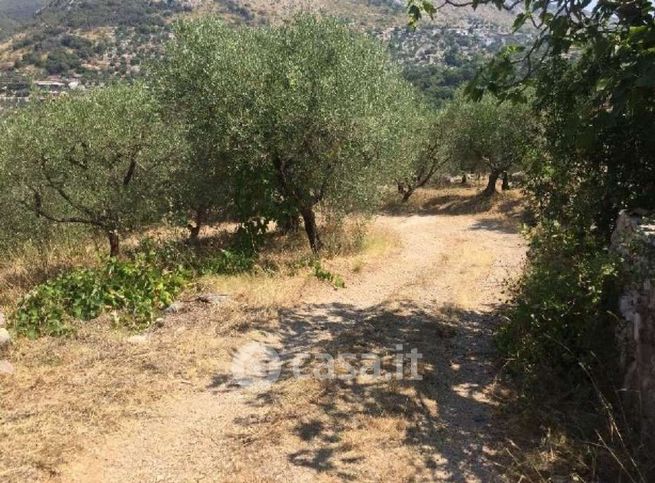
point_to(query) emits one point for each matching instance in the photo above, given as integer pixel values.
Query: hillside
(75, 43)
(15, 13)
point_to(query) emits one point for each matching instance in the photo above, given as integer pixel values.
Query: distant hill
(15, 13)
(20, 10)
(87, 42)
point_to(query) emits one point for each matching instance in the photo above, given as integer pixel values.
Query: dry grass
(30, 265)
(574, 439)
(66, 390)
(460, 200)
(70, 391)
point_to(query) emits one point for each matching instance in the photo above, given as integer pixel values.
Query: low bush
(226, 262)
(325, 275)
(560, 321)
(135, 289)
(200, 260)
(559, 342)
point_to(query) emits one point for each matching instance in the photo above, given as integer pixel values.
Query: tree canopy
(489, 136)
(100, 159)
(211, 80)
(329, 131)
(286, 118)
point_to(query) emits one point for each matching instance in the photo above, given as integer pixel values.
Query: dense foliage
(561, 323)
(285, 119)
(101, 160)
(133, 289)
(598, 161)
(440, 82)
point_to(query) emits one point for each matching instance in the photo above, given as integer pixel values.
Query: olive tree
(211, 81)
(428, 153)
(100, 159)
(329, 117)
(489, 135)
(282, 120)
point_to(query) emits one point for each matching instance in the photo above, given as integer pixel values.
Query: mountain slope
(14, 13)
(93, 41)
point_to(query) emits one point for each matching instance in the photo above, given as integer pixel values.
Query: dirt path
(434, 294)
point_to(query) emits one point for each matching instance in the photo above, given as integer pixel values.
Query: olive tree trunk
(505, 186)
(198, 222)
(405, 191)
(289, 223)
(309, 218)
(490, 190)
(407, 195)
(114, 243)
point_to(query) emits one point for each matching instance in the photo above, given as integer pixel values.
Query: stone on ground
(6, 368)
(212, 298)
(5, 338)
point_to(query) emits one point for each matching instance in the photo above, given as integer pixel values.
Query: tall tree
(330, 114)
(286, 119)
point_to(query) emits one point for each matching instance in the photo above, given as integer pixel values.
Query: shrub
(227, 262)
(341, 238)
(135, 289)
(560, 321)
(237, 258)
(325, 275)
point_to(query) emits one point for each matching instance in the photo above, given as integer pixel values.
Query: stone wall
(634, 241)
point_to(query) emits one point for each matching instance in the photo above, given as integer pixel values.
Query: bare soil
(101, 409)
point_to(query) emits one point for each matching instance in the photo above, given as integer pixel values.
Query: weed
(326, 276)
(227, 262)
(562, 300)
(135, 289)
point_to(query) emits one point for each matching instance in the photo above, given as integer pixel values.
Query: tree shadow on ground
(459, 203)
(444, 417)
(468, 205)
(502, 225)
